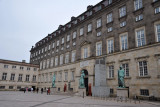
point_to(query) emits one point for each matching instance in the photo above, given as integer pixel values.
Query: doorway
(86, 81)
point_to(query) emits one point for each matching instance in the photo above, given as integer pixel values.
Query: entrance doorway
(86, 81)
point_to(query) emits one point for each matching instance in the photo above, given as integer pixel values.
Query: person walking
(37, 90)
(41, 90)
(24, 90)
(49, 91)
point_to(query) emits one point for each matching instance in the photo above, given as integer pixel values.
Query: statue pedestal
(82, 91)
(53, 90)
(122, 92)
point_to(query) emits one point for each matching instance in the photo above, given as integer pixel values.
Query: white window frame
(157, 33)
(138, 4)
(126, 69)
(122, 11)
(62, 41)
(61, 59)
(99, 48)
(110, 45)
(56, 61)
(73, 56)
(85, 52)
(57, 42)
(53, 45)
(89, 27)
(66, 58)
(109, 17)
(143, 69)
(123, 41)
(99, 22)
(81, 31)
(157, 10)
(68, 38)
(66, 76)
(141, 40)
(74, 34)
(139, 17)
(111, 71)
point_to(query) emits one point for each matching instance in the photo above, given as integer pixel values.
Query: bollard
(83, 94)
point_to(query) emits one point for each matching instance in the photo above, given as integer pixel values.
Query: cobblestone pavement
(28, 99)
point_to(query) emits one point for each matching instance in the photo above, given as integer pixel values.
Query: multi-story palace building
(124, 32)
(16, 75)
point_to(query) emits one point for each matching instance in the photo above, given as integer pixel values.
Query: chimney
(60, 26)
(23, 61)
(72, 18)
(89, 7)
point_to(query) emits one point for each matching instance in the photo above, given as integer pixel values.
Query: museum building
(124, 32)
(15, 75)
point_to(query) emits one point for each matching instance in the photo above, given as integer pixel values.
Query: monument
(100, 89)
(53, 89)
(82, 89)
(121, 90)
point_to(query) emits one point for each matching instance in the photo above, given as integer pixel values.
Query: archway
(86, 80)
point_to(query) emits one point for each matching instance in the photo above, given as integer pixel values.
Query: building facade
(16, 75)
(124, 32)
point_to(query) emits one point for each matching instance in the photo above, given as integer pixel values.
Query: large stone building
(124, 32)
(16, 75)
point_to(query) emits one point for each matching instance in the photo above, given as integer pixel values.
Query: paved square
(28, 99)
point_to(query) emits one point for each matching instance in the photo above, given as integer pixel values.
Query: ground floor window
(18, 87)
(2, 87)
(111, 91)
(10, 87)
(144, 92)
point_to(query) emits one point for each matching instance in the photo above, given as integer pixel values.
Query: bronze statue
(81, 81)
(121, 77)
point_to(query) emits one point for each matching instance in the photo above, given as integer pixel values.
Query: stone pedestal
(100, 91)
(53, 90)
(122, 92)
(82, 91)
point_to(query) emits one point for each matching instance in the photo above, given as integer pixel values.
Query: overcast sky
(25, 22)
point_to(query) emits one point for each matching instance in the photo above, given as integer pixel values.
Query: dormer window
(69, 25)
(82, 18)
(90, 13)
(64, 29)
(99, 7)
(75, 22)
(54, 34)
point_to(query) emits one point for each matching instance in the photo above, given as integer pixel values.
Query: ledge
(99, 28)
(89, 32)
(72, 81)
(155, 3)
(110, 79)
(141, 77)
(127, 77)
(139, 10)
(108, 24)
(123, 17)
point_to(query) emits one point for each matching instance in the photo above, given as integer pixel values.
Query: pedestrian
(24, 90)
(31, 89)
(41, 90)
(37, 90)
(47, 91)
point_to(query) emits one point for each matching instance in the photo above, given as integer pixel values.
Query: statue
(121, 77)
(53, 81)
(81, 81)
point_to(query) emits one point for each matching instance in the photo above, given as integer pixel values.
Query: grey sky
(25, 22)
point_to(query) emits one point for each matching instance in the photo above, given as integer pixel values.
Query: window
(110, 46)
(111, 71)
(140, 36)
(42, 50)
(82, 18)
(28, 68)
(57, 42)
(45, 48)
(110, 29)
(123, 42)
(122, 11)
(139, 17)
(2, 87)
(72, 76)
(68, 38)
(53, 45)
(157, 10)
(144, 92)
(109, 1)
(27, 77)
(35, 69)
(81, 31)
(60, 76)
(109, 18)
(99, 49)
(62, 48)
(155, 0)
(89, 27)
(73, 56)
(137, 4)
(67, 46)
(18, 87)
(90, 13)
(67, 58)
(99, 7)
(126, 69)
(51, 64)
(74, 35)
(20, 77)
(5, 66)
(56, 61)
(10, 87)
(99, 23)
(49, 47)
(12, 77)
(4, 76)
(21, 68)
(66, 76)
(47, 63)
(34, 78)
(157, 32)
(13, 66)
(122, 24)
(143, 70)
(85, 52)
(62, 41)
(61, 59)
(111, 91)
(99, 33)
(74, 43)
(56, 50)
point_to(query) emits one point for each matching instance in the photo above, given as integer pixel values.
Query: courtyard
(29, 99)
